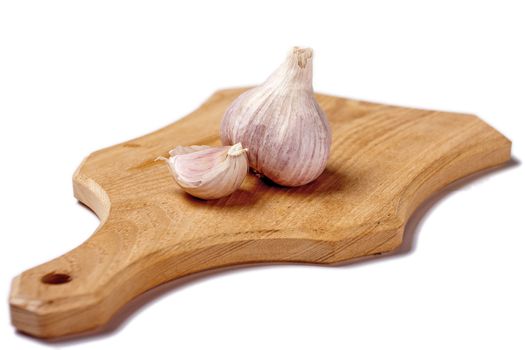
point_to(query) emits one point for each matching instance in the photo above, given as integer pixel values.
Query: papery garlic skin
(282, 124)
(208, 172)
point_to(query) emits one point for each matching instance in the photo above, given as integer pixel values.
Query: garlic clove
(208, 172)
(282, 124)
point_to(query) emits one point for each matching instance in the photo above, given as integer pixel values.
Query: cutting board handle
(53, 298)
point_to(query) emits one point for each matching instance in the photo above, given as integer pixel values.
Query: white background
(79, 76)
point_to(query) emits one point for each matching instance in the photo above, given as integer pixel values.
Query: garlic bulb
(208, 172)
(282, 124)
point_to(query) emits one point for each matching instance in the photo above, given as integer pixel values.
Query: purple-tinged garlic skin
(282, 124)
(208, 172)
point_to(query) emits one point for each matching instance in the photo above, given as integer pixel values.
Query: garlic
(208, 172)
(282, 124)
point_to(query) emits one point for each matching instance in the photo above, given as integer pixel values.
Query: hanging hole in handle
(56, 278)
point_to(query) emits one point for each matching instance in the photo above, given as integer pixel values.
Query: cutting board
(385, 161)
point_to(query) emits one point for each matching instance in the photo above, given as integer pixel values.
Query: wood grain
(385, 161)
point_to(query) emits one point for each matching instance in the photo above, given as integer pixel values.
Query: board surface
(385, 161)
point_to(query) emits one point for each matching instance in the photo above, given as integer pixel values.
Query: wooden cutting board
(385, 161)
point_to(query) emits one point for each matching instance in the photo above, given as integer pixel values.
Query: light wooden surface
(384, 162)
